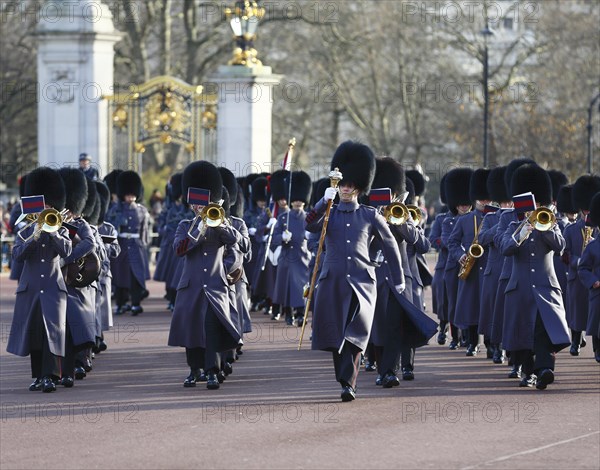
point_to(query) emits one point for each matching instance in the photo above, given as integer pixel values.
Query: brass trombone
(49, 221)
(212, 215)
(396, 213)
(542, 219)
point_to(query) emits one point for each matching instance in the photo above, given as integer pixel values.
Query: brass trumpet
(212, 215)
(542, 219)
(415, 213)
(396, 213)
(49, 221)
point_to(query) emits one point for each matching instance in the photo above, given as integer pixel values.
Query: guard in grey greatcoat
(462, 237)
(589, 275)
(506, 217)
(559, 180)
(130, 268)
(112, 248)
(437, 283)
(346, 291)
(459, 203)
(535, 326)
(204, 320)
(292, 267)
(81, 301)
(493, 268)
(566, 215)
(111, 181)
(38, 323)
(583, 190)
(16, 267)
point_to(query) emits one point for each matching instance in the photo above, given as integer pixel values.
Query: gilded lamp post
(243, 19)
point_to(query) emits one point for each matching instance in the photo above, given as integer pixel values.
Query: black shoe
(171, 306)
(472, 350)
(267, 311)
(441, 338)
(87, 365)
(120, 310)
(575, 348)
(298, 321)
(499, 357)
(67, 381)
(390, 380)
(583, 342)
(528, 381)
(489, 352)
(36, 385)
(201, 377)
(370, 367)
(220, 377)
(408, 374)
(463, 343)
(348, 393)
(102, 346)
(378, 380)
(453, 345)
(597, 355)
(136, 310)
(239, 351)
(48, 385)
(145, 294)
(190, 380)
(212, 383)
(515, 373)
(80, 373)
(227, 368)
(545, 378)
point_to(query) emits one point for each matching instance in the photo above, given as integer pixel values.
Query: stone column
(245, 102)
(75, 69)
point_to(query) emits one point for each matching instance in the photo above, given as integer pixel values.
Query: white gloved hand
(286, 236)
(330, 194)
(252, 231)
(400, 288)
(525, 231)
(272, 221)
(265, 238)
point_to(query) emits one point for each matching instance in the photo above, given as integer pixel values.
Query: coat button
(533, 286)
(204, 286)
(205, 270)
(349, 257)
(532, 270)
(386, 278)
(205, 254)
(347, 225)
(347, 275)
(42, 275)
(347, 241)
(532, 254)
(43, 245)
(42, 291)
(43, 260)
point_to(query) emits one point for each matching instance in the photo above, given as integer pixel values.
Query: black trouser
(136, 291)
(443, 326)
(393, 341)
(43, 362)
(596, 343)
(68, 365)
(542, 355)
(454, 332)
(194, 357)
(576, 337)
(347, 363)
(171, 295)
(473, 335)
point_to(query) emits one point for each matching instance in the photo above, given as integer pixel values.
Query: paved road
(281, 409)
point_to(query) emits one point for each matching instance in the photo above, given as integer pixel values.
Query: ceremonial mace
(334, 177)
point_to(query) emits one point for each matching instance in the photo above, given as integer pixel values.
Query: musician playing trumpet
(38, 324)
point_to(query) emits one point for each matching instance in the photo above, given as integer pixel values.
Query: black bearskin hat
(47, 181)
(356, 162)
(595, 210)
(558, 179)
(495, 185)
(457, 188)
(90, 203)
(76, 188)
(279, 183)
(410, 189)
(226, 201)
(202, 175)
(104, 198)
(532, 178)
(584, 189)
(478, 185)
(129, 182)
(564, 201)
(301, 187)
(238, 207)
(93, 217)
(511, 168)
(230, 182)
(111, 180)
(390, 174)
(22, 185)
(443, 199)
(260, 189)
(318, 191)
(176, 186)
(418, 181)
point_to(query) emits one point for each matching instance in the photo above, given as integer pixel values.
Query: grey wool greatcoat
(244, 247)
(413, 250)
(165, 265)
(81, 303)
(292, 268)
(347, 270)
(451, 269)
(131, 221)
(105, 280)
(507, 216)
(533, 288)
(577, 293)
(589, 272)
(41, 281)
(467, 298)
(203, 282)
(491, 272)
(437, 283)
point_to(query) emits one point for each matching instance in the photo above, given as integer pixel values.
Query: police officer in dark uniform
(346, 292)
(85, 166)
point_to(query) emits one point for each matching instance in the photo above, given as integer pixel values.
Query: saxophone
(586, 233)
(474, 252)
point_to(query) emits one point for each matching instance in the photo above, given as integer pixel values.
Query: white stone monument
(75, 68)
(245, 103)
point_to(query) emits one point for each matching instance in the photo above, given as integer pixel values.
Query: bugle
(415, 213)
